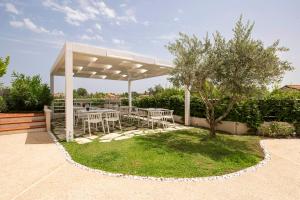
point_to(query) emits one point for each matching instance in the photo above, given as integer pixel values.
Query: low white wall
(226, 126)
(48, 112)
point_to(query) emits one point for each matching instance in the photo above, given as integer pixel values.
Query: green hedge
(252, 112)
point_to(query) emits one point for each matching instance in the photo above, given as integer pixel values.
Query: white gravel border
(262, 163)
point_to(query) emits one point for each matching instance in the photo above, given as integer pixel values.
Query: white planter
(226, 126)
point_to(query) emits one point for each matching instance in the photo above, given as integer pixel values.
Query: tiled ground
(130, 128)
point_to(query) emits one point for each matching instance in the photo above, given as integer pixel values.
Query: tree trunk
(212, 128)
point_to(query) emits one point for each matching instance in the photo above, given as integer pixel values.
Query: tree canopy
(226, 71)
(3, 65)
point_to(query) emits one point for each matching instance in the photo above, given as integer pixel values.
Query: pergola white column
(69, 93)
(187, 98)
(52, 84)
(129, 95)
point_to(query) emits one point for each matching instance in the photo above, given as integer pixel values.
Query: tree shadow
(38, 138)
(193, 142)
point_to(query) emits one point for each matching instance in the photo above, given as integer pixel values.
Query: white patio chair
(94, 118)
(155, 116)
(112, 117)
(124, 111)
(80, 116)
(167, 115)
(133, 113)
(142, 116)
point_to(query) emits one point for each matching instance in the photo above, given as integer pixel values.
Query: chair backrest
(167, 113)
(156, 113)
(95, 116)
(124, 110)
(112, 115)
(142, 112)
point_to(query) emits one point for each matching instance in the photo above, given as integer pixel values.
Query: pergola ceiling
(101, 63)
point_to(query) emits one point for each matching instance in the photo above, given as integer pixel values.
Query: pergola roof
(101, 63)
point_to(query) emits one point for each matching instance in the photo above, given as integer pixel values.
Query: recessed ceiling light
(94, 59)
(143, 70)
(124, 75)
(138, 65)
(79, 68)
(117, 72)
(93, 73)
(108, 66)
(103, 76)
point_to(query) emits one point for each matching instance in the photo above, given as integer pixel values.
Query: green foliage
(28, 93)
(276, 129)
(80, 92)
(3, 106)
(284, 94)
(251, 111)
(156, 89)
(231, 70)
(3, 65)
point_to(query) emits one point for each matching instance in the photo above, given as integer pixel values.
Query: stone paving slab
(39, 171)
(82, 140)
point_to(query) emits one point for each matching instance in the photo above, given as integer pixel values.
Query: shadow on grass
(199, 142)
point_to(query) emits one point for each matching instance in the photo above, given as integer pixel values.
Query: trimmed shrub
(251, 111)
(276, 129)
(3, 106)
(28, 93)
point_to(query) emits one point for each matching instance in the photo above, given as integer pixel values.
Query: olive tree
(3, 65)
(224, 71)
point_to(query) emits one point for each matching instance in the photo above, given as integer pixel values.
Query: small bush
(3, 106)
(297, 127)
(28, 93)
(276, 129)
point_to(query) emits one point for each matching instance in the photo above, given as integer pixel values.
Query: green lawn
(185, 153)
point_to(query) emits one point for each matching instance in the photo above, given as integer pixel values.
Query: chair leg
(120, 125)
(84, 128)
(107, 126)
(103, 127)
(89, 128)
(152, 123)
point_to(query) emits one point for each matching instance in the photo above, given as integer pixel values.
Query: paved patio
(32, 167)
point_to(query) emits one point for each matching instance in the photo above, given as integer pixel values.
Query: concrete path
(31, 167)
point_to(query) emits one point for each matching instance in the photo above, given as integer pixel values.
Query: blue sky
(33, 31)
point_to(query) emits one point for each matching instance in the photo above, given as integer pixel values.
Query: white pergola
(84, 61)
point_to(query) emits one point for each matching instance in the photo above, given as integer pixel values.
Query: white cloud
(105, 10)
(98, 26)
(31, 26)
(89, 30)
(176, 19)
(128, 17)
(9, 7)
(16, 24)
(146, 23)
(89, 10)
(28, 24)
(118, 41)
(72, 16)
(91, 37)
